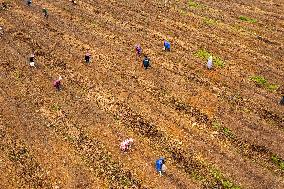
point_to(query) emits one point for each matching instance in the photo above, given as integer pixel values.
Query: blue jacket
(167, 45)
(159, 164)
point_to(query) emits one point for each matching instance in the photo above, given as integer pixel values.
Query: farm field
(220, 128)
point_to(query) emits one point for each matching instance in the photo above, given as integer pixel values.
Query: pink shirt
(56, 82)
(126, 144)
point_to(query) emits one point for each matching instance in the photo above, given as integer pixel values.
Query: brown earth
(216, 129)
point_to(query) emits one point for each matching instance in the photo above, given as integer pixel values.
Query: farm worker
(45, 12)
(210, 63)
(32, 60)
(126, 144)
(74, 2)
(160, 166)
(282, 101)
(138, 50)
(167, 45)
(5, 5)
(146, 62)
(57, 83)
(1, 31)
(87, 57)
(29, 2)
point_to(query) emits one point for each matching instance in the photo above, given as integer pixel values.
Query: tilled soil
(216, 128)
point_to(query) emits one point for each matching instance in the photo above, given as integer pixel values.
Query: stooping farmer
(160, 166)
(126, 144)
(57, 83)
(167, 45)
(210, 63)
(32, 60)
(138, 50)
(282, 101)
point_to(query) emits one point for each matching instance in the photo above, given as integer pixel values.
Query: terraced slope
(220, 128)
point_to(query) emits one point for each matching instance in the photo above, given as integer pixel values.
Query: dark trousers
(87, 59)
(282, 101)
(146, 66)
(58, 87)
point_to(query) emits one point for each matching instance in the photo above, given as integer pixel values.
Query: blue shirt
(167, 45)
(159, 164)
